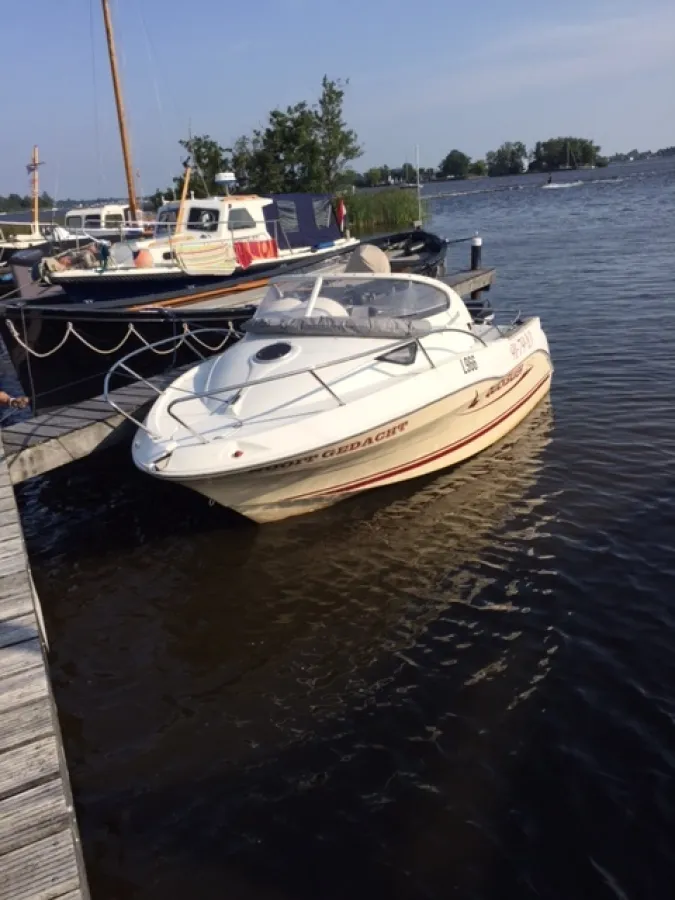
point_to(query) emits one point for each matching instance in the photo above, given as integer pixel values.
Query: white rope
(186, 336)
(15, 335)
(231, 331)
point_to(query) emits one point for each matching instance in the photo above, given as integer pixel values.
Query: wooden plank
(7, 503)
(16, 598)
(19, 657)
(12, 560)
(40, 857)
(10, 529)
(24, 766)
(25, 723)
(470, 280)
(31, 816)
(24, 687)
(19, 630)
(6, 490)
(45, 870)
(36, 428)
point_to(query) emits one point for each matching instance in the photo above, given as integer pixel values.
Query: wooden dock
(40, 854)
(57, 438)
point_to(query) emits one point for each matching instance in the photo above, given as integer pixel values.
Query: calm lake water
(458, 687)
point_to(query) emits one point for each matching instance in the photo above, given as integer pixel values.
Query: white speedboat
(343, 382)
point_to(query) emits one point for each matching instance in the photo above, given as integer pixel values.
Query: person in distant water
(550, 179)
(14, 402)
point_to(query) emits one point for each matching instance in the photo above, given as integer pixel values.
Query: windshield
(363, 297)
(166, 221)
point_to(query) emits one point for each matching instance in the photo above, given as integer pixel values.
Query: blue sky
(449, 75)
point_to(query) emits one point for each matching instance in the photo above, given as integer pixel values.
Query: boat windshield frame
(396, 296)
(166, 220)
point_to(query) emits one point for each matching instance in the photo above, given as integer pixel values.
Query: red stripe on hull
(422, 461)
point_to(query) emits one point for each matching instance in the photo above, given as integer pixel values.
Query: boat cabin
(99, 221)
(292, 221)
(230, 218)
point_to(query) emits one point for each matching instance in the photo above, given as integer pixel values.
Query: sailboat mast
(126, 153)
(419, 187)
(35, 188)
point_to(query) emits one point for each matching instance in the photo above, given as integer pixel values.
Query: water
(460, 687)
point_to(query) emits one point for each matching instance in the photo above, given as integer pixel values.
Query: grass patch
(381, 209)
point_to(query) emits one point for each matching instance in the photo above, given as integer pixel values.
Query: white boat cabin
(99, 221)
(215, 218)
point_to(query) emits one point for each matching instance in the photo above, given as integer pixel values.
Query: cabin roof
(98, 210)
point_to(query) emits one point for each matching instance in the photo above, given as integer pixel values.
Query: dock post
(476, 251)
(476, 259)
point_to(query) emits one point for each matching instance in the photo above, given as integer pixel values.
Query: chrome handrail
(312, 370)
(122, 364)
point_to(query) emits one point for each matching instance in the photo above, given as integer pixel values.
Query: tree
(509, 159)
(408, 173)
(478, 168)
(207, 158)
(337, 144)
(373, 177)
(455, 165)
(301, 148)
(562, 153)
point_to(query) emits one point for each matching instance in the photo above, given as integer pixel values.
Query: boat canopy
(304, 220)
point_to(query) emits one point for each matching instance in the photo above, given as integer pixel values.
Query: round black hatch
(273, 351)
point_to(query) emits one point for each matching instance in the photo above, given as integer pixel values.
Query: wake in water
(565, 184)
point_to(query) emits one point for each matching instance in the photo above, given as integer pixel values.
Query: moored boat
(61, 350)
(343, 382)
(202, 243)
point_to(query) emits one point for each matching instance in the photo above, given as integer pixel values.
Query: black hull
(97, 288)
(101, 289)
(90, 337)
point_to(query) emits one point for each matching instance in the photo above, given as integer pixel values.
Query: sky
(464, 75)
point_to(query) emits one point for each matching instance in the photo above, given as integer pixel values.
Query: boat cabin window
(166, 222)
(239, 218)
(288, 216)
(73, 221)
(201, 219)
(322, 211)
(113, 220)
(92, 221)
(360, 298)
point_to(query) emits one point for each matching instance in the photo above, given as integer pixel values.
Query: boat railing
(191, 395)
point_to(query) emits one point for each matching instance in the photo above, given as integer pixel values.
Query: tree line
(513, 158)
(16, 203)
(634, 155)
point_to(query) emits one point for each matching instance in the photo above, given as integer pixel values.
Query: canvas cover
(326, 326)
(301, 220)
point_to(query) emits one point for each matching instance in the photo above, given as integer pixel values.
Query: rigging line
(152, 65)
(97, 132)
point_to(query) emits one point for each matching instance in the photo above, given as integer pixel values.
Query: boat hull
(436, 437)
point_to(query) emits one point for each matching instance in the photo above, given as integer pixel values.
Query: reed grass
(381, 209)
